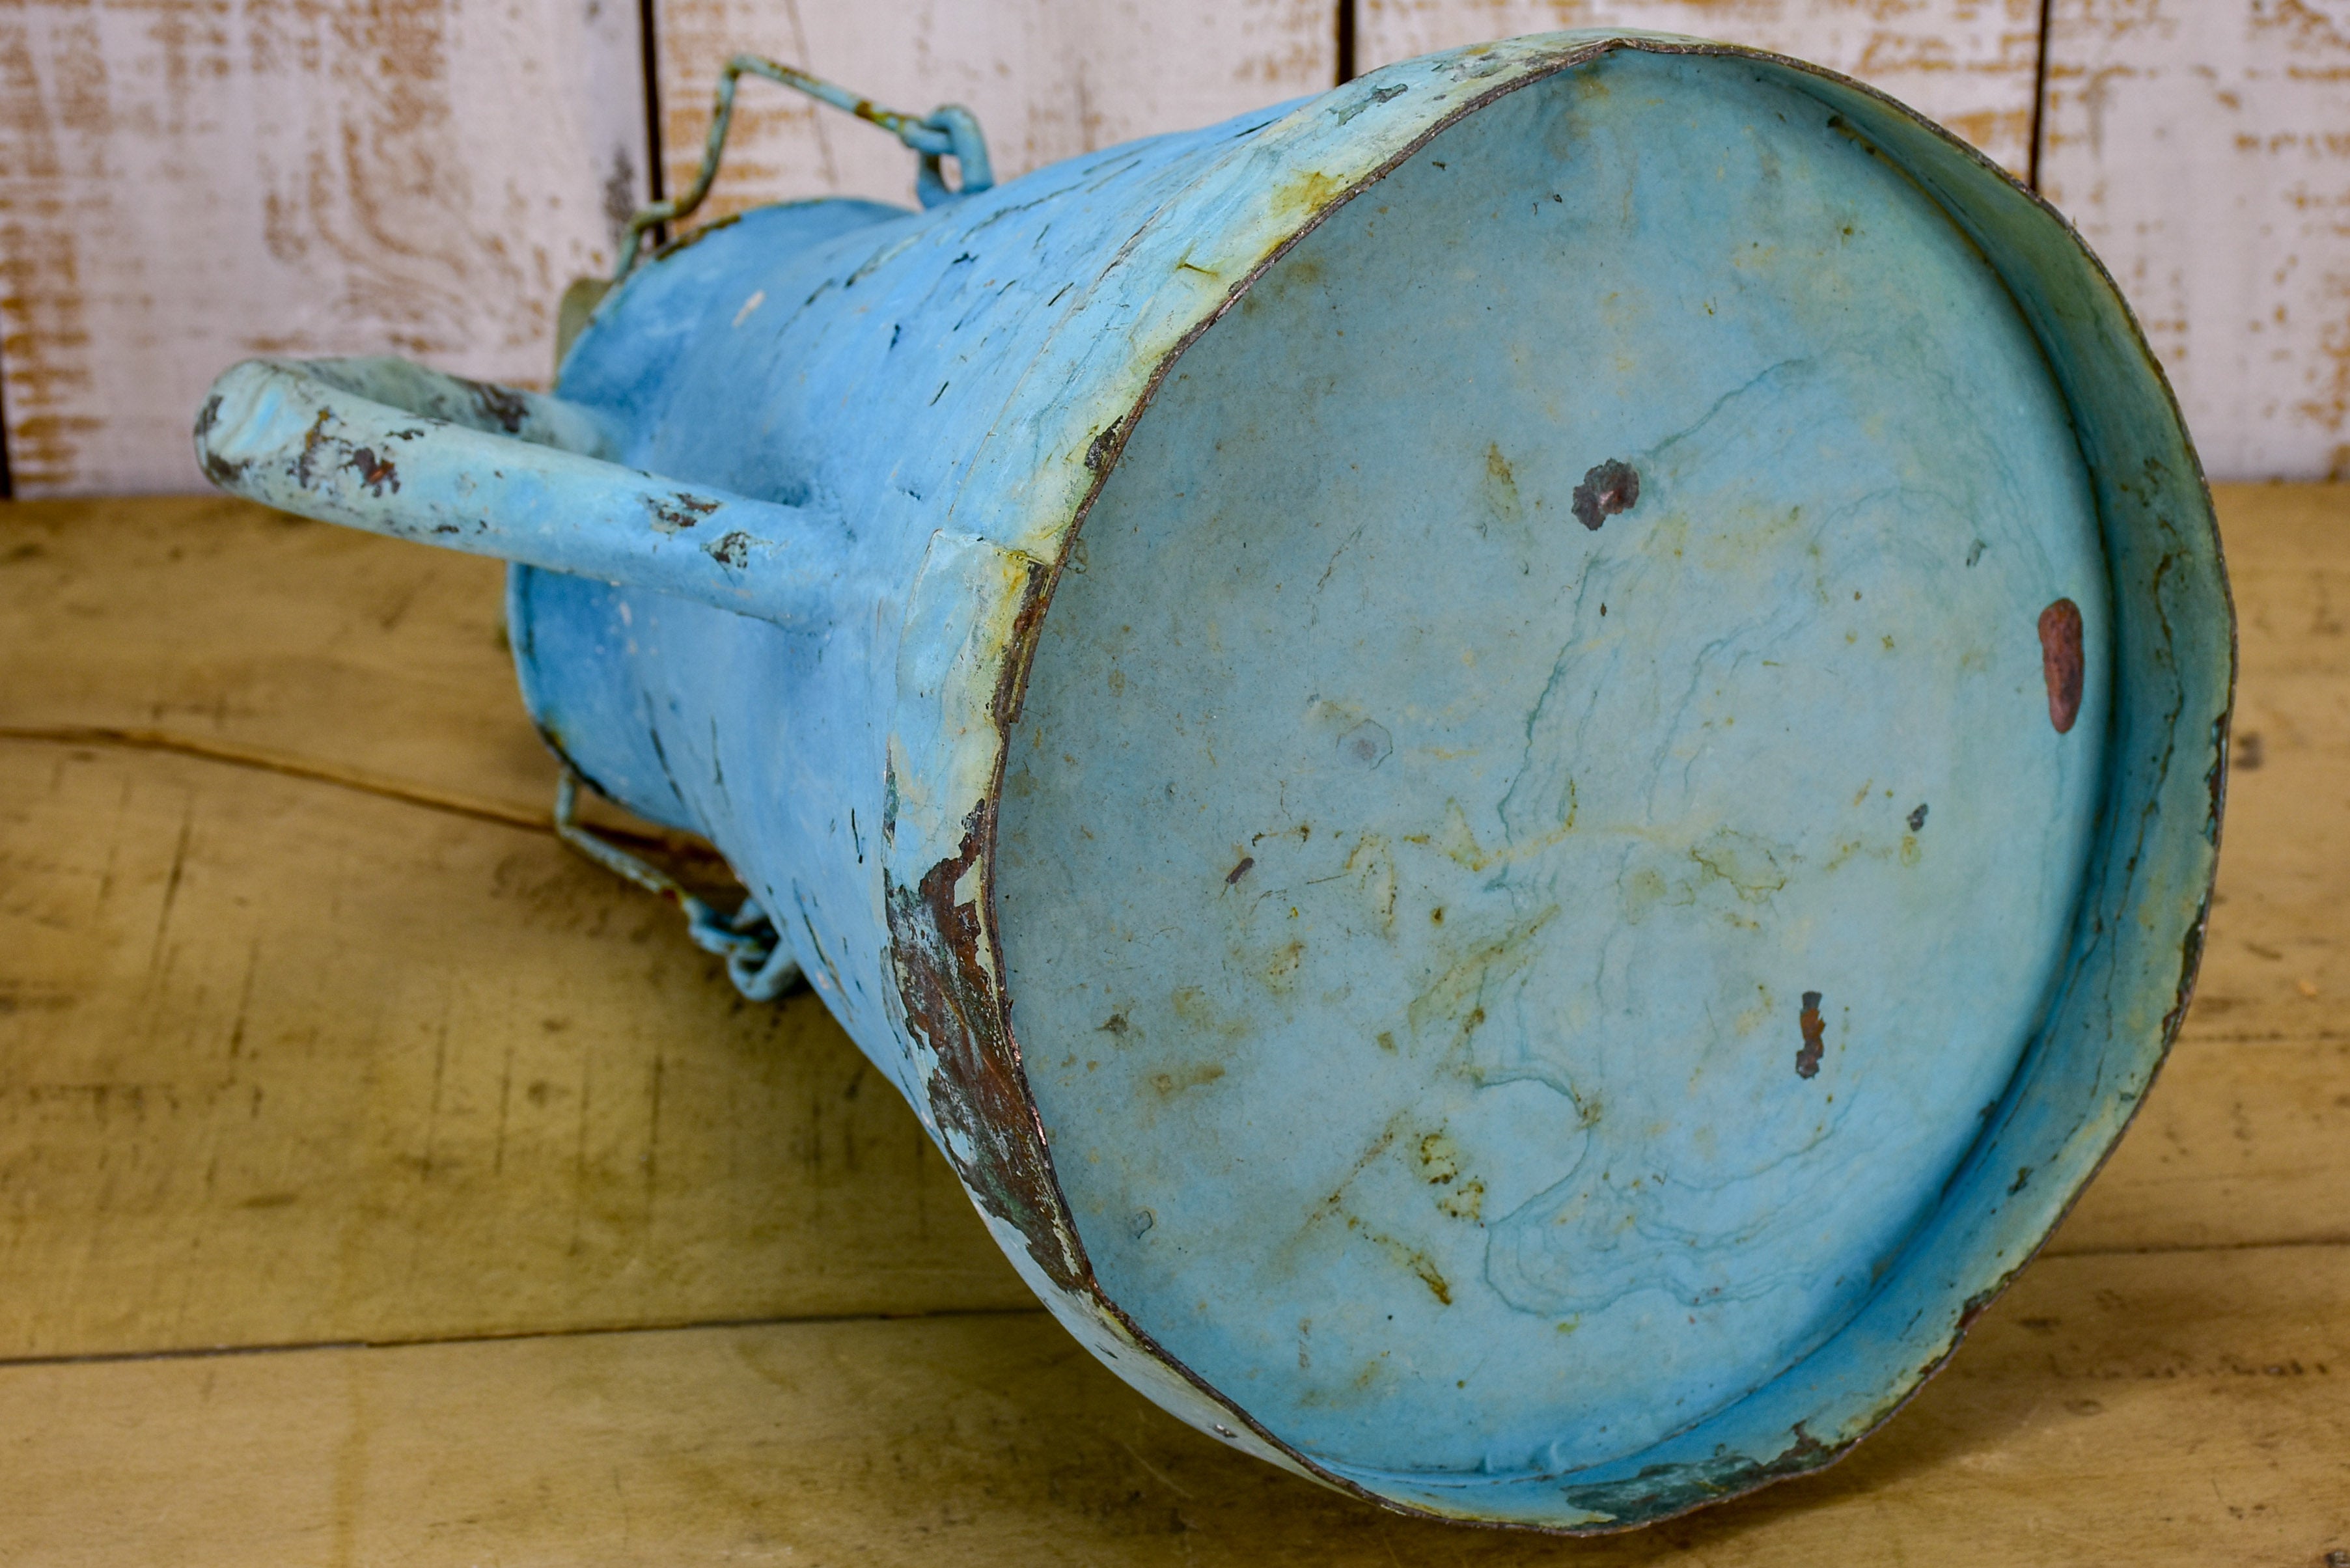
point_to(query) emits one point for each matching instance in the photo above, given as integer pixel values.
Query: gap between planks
(697, 1325)
(290, 767)
(798, 1320)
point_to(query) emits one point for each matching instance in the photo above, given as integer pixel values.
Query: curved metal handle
(392, 447)
(947, 130)
(758, 961)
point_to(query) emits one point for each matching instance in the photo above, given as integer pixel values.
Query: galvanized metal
(1522, 763)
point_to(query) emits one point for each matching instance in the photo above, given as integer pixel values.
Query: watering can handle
(948, 130)
(392, 447)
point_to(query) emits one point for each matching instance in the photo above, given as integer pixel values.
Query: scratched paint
(1563, 749)
(1969, 64)
(2199, 146)
(183, 183)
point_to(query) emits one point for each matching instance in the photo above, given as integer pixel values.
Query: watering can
(1523, 763)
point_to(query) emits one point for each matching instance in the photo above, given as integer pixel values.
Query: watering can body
(1522, 763)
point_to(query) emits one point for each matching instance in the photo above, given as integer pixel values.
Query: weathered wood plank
(2199, 146)
(368, 927)
(2191, 1408)
(215, 625)
(1969, 63)
(283, 1062)
(185, 183)
(1048, 78)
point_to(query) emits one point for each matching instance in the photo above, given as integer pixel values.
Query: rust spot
(686, 242)
(2060, 661)
(675, 514)
(374, 472)
(1979, 1303)
(1012, 691)
(1239, 871)
(1661, 1491)
(502, 405)
(978, 1091)
(1105, 448)
(731, 550)
(311, 439)
(1606, 490)
(1114, 1023)
(217, 469)
(1807, 1060)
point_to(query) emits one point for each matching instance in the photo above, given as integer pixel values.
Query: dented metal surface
(917, 460)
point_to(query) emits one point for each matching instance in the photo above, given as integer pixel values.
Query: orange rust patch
(978, 1089)
(1807, 1060)
(2060, 661)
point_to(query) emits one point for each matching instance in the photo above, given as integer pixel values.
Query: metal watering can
(1523, 763)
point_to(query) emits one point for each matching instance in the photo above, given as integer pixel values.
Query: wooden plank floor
(380, 1184)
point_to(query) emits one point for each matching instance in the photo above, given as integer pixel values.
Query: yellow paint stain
(1308, 193)
(1371, 871)
(1190, 1078)
(1498, 493)
(1458, 841)
(1452, 996)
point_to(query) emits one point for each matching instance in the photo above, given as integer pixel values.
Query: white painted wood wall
(186, 182)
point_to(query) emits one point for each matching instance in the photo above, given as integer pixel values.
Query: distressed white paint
(2203, 148)
(1048, 78)
(1969, 64)
(183, 182)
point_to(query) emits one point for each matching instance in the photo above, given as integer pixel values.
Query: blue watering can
(1523, 763)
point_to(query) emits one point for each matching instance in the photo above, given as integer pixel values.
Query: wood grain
(2199, 146)
(211, 626)
(147, 648)
(185, 183)
(287, 1061)
(2190, 1409)
(1969, 63)
(1048, 78)
(282, 1062)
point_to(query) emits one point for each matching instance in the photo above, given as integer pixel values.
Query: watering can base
(1517, 900)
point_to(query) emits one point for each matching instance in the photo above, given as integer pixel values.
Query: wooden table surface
(380, 1183)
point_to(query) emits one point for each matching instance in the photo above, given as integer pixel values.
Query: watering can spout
(392, 447)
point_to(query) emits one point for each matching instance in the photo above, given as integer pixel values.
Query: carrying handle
(392, 447)
(757, 961)
(947, 130)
